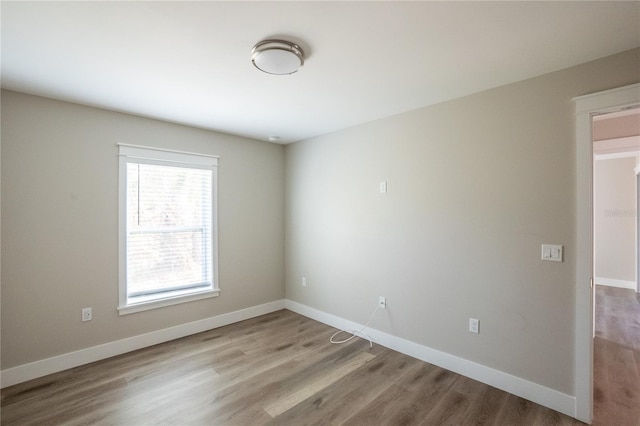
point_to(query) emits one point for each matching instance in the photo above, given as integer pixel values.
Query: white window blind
(168, 234)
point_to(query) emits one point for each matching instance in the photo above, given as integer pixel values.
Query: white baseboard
(33, 370)
(616, 283)
(542, 395)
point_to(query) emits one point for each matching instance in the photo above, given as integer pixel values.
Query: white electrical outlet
(474, 325)
(86, 314)
(304, 281)
(382, 302)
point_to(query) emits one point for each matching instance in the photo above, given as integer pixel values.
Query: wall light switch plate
(474, 325)
(552, 252)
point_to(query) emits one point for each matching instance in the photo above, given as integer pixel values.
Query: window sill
(161, 303)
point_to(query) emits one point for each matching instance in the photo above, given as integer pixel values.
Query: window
(168, 235)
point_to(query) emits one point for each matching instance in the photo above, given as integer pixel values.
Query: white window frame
(146, 155)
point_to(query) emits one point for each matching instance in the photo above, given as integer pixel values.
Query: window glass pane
(169, 218)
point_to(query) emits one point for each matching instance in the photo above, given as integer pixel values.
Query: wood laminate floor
(277, 369)
(616, 349)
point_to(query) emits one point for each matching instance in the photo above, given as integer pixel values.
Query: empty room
(358, 213)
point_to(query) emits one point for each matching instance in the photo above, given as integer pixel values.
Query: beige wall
(60, 218)
(476, 185)
(614, 217)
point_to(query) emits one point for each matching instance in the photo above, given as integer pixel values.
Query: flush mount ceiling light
(277, 57)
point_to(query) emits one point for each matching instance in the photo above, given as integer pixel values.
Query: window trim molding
(174, 156)
(169, 301)
(128, 152)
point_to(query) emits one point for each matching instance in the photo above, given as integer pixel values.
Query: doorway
(616, 344)
(586, 107)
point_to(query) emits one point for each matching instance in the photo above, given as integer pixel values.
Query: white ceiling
(189, 62)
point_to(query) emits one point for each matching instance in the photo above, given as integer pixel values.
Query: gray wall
(614, 217)
(476, 185)
(60, 225)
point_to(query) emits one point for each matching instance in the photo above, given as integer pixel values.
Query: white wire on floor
(355, 333)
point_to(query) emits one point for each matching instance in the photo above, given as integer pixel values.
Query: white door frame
(586, 107)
